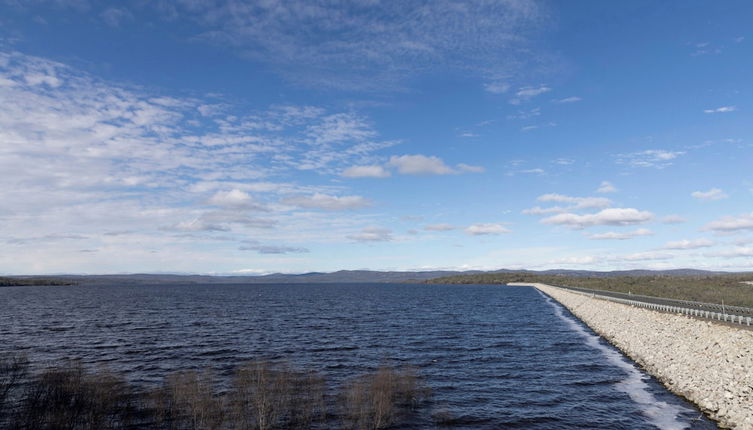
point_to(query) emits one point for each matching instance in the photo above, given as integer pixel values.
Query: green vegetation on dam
(731, 289)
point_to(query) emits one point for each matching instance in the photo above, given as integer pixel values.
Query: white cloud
(486, 229)
(656, 158)
(80, 154)
(470, 169)
(537, 126)
(723, 109)
(115, 16)
(440, 227)
(612, 216)
(420, 165)
(526, 114)
(327, 202)
(537, 210)
(372, 234)
(568, 100)
(574, 203)
(712, 194)
(564, 161)
(646, 256)
(196, 225)
(736, 252)
(612, 235)
(577, 202)
(606, 187)
(730, 223)
(410, 165)
(526, 93)
(411, 218)
(536, 171)
(374, 171)
(688, 244)
(253, 245)
(498, 87)
(575, 260)
(342, 127)
(673, 219)
(128, 141)
(235, 199)
(224, 218)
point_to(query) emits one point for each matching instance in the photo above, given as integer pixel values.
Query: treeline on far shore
(19, 282)
(732, 289)
(261, 395)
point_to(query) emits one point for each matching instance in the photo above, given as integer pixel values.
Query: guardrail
(700, 313)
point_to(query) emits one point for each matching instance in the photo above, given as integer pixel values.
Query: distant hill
(342, 276)
(615, 273)
(26, 281)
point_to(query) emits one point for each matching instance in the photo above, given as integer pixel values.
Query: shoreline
(709, 364)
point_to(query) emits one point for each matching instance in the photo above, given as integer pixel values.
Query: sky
(254, 137)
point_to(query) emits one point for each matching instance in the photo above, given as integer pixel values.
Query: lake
(493, 356)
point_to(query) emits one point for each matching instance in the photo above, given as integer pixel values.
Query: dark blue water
(495, 357)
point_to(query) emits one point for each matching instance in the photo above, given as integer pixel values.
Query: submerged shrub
(188, 400)
(266, 395)
(261, 395)
(376, 400)
(13, 371)
(66, 397)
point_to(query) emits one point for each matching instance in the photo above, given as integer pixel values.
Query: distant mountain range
(344, 276)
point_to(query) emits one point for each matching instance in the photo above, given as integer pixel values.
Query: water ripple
(494, 357)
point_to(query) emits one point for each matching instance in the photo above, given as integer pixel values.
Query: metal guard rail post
(736, 319)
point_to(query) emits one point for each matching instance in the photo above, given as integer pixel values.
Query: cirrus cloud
(573, 99)
(360, 45)
(656, 158)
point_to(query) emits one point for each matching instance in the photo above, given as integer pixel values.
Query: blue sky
(252, 137)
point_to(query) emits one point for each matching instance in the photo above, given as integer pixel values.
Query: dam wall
(708, 363)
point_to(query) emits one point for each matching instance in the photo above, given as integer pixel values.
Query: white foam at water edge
(661, 414)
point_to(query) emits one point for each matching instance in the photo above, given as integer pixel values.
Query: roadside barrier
(725, 316)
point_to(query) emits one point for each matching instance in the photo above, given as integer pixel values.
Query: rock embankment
(707, 363)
